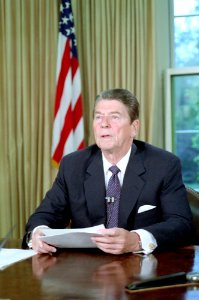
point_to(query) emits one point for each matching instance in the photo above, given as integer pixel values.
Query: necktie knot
(114, 169)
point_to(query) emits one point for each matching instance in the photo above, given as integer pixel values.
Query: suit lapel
(94, 185)
(132, 187)
(95, 190)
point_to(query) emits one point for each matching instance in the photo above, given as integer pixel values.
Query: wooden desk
(91, 274)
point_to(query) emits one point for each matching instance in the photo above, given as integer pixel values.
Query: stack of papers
(71, 238)
(11, 256)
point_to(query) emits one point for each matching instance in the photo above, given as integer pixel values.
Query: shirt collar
(122, 164)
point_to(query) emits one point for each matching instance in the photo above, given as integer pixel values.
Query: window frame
(169, 134)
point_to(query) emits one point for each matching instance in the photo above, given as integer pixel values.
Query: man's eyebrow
(115, 112)
(97, 112)
(110, 113)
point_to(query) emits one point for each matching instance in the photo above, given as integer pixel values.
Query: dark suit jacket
(153, 177)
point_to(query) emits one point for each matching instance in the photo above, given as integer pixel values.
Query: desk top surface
(92, 274)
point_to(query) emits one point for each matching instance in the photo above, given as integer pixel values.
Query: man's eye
(97, 117)
(115, 117)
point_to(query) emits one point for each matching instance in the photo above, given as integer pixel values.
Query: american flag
(68, 127)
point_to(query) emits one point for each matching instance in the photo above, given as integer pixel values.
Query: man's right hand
(40, 246)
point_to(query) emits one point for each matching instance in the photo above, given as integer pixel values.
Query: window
(186, 33)
(182, 99)
(182, 126)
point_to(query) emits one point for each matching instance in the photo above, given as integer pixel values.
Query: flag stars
(67, 31)
(71, 17)
(66, 24)
(65, 20)
(72, 29)
(67, 4)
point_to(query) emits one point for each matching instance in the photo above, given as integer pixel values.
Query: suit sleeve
(54, 209)
(176, 225)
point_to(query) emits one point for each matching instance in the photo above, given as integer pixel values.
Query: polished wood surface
(92, 274)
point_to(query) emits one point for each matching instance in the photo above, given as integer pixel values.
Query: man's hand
(117, 241)
(40, 246)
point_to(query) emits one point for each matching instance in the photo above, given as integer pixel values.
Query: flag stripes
(68, 127)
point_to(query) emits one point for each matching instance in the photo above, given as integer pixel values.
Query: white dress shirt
(147, 239)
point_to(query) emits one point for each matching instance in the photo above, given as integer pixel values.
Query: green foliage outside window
(185, 89)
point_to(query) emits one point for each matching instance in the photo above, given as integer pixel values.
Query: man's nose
(105, 121)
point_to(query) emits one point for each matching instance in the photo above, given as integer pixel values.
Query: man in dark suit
(153, 208)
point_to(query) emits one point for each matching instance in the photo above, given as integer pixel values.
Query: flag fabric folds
(68, 127)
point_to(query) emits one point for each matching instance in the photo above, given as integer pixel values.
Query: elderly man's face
(112, 127)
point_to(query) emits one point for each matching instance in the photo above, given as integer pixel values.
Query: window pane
(186, 7)
(186, 41)
(187, 154)
(186, 105)
(185, 101)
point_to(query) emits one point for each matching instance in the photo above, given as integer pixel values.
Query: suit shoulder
(81, 155)
(154, 151)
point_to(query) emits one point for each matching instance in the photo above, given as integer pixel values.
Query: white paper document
(71, 238)
(11, 256)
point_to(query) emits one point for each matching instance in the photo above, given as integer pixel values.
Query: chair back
(193, 197)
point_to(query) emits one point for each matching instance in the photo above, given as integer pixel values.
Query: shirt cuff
(147, 240)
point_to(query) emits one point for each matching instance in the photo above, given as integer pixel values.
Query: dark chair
(193, 198)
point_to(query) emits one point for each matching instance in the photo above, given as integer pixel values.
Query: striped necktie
(112, 198)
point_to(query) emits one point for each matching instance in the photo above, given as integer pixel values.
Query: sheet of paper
(71, 238)
(11, 256)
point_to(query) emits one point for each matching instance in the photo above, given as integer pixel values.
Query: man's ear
(135, 128)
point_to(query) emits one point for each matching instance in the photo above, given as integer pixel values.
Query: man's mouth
(105, 136)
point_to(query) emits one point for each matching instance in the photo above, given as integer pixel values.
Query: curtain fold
(116, 42)
(28, 38)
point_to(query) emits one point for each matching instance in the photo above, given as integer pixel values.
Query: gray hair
(124, 96)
